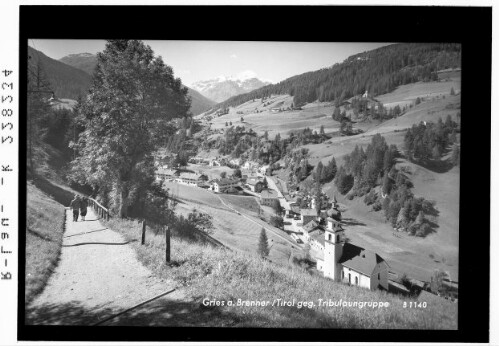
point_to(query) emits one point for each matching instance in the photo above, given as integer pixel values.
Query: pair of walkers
(79, 205)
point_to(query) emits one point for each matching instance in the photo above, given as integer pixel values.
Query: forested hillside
(378, 71)
(87, 62)
(66, 81)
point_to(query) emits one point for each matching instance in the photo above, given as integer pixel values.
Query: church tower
(333, 249)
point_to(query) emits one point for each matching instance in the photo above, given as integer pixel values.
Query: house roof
(310, 226)
(308, 212)
(190, 176)
(269, 194)
(166, 171)
(359, 259)
(225, 181)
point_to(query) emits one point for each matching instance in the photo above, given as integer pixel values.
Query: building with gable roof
(268, 196)
(349, 263)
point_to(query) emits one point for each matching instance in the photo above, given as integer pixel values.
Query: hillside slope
(213, 273)
(378, 71)
(87, 63)
(66, 81)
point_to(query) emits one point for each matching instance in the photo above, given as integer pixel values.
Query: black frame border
(470, 26)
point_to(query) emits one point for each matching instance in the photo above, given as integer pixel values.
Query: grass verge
(44, 231)
(220, 274)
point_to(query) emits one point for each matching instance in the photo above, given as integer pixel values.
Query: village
(314, 225)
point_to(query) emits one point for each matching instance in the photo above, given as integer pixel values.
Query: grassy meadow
(205, 271)
(44, 232)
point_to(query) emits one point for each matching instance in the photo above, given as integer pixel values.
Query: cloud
(233, 56)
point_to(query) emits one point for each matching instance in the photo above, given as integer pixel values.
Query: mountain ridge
(378, 71)
(222, 88)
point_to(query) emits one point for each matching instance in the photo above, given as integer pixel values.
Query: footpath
(98, 275)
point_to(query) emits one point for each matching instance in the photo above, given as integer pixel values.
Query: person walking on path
(83, 208)
(75, 205)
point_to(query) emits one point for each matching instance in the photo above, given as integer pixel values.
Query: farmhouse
(346, 262)
(267, 197)
(310, 228)
(249, 165)
(192, 178)
(224, 184)
(308, 215)
(164, 174)
(264, 170)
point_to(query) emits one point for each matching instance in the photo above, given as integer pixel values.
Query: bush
(371, 197)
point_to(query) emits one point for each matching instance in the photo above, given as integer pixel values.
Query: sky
(194, 61)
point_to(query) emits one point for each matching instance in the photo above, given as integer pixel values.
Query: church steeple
(333, 249)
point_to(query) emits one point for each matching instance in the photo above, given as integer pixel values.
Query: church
(348, 263)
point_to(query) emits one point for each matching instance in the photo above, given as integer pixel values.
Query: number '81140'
(415, 305)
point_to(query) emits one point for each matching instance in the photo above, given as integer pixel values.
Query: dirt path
(98, 275)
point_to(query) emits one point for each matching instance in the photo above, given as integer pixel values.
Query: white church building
(348, 263)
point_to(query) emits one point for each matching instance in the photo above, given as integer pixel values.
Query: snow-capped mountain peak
(224, 87)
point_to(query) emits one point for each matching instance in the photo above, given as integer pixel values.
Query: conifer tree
(263, 245)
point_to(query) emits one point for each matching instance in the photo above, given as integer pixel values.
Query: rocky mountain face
(221, 88)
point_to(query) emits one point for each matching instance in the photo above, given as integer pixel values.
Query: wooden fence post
(143, 232)
(167, 244)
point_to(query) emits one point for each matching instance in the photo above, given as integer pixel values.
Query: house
(192, 178)
(235, 162)
(214, 163)
(264, 170)
(224, 184)
(249, 165)
(308, 215)
(254, 184)
(267, 197)
(310, 228)
(349, 263)
(166, 174)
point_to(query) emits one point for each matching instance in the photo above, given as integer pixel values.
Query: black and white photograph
(301, 184)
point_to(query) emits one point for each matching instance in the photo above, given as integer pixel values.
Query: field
(202, 271)
(312, 116)
(232, 229)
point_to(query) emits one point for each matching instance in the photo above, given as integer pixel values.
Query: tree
(420, 218)
(237, 173)
(223, 175)
(344, 181)
(226, 124)
(126, 117)
(322, 133)
(452, 92)
(456, 155)
(276, 205)
(277, 221)
(263, 245)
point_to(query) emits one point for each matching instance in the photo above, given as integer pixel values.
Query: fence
(100, 210)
